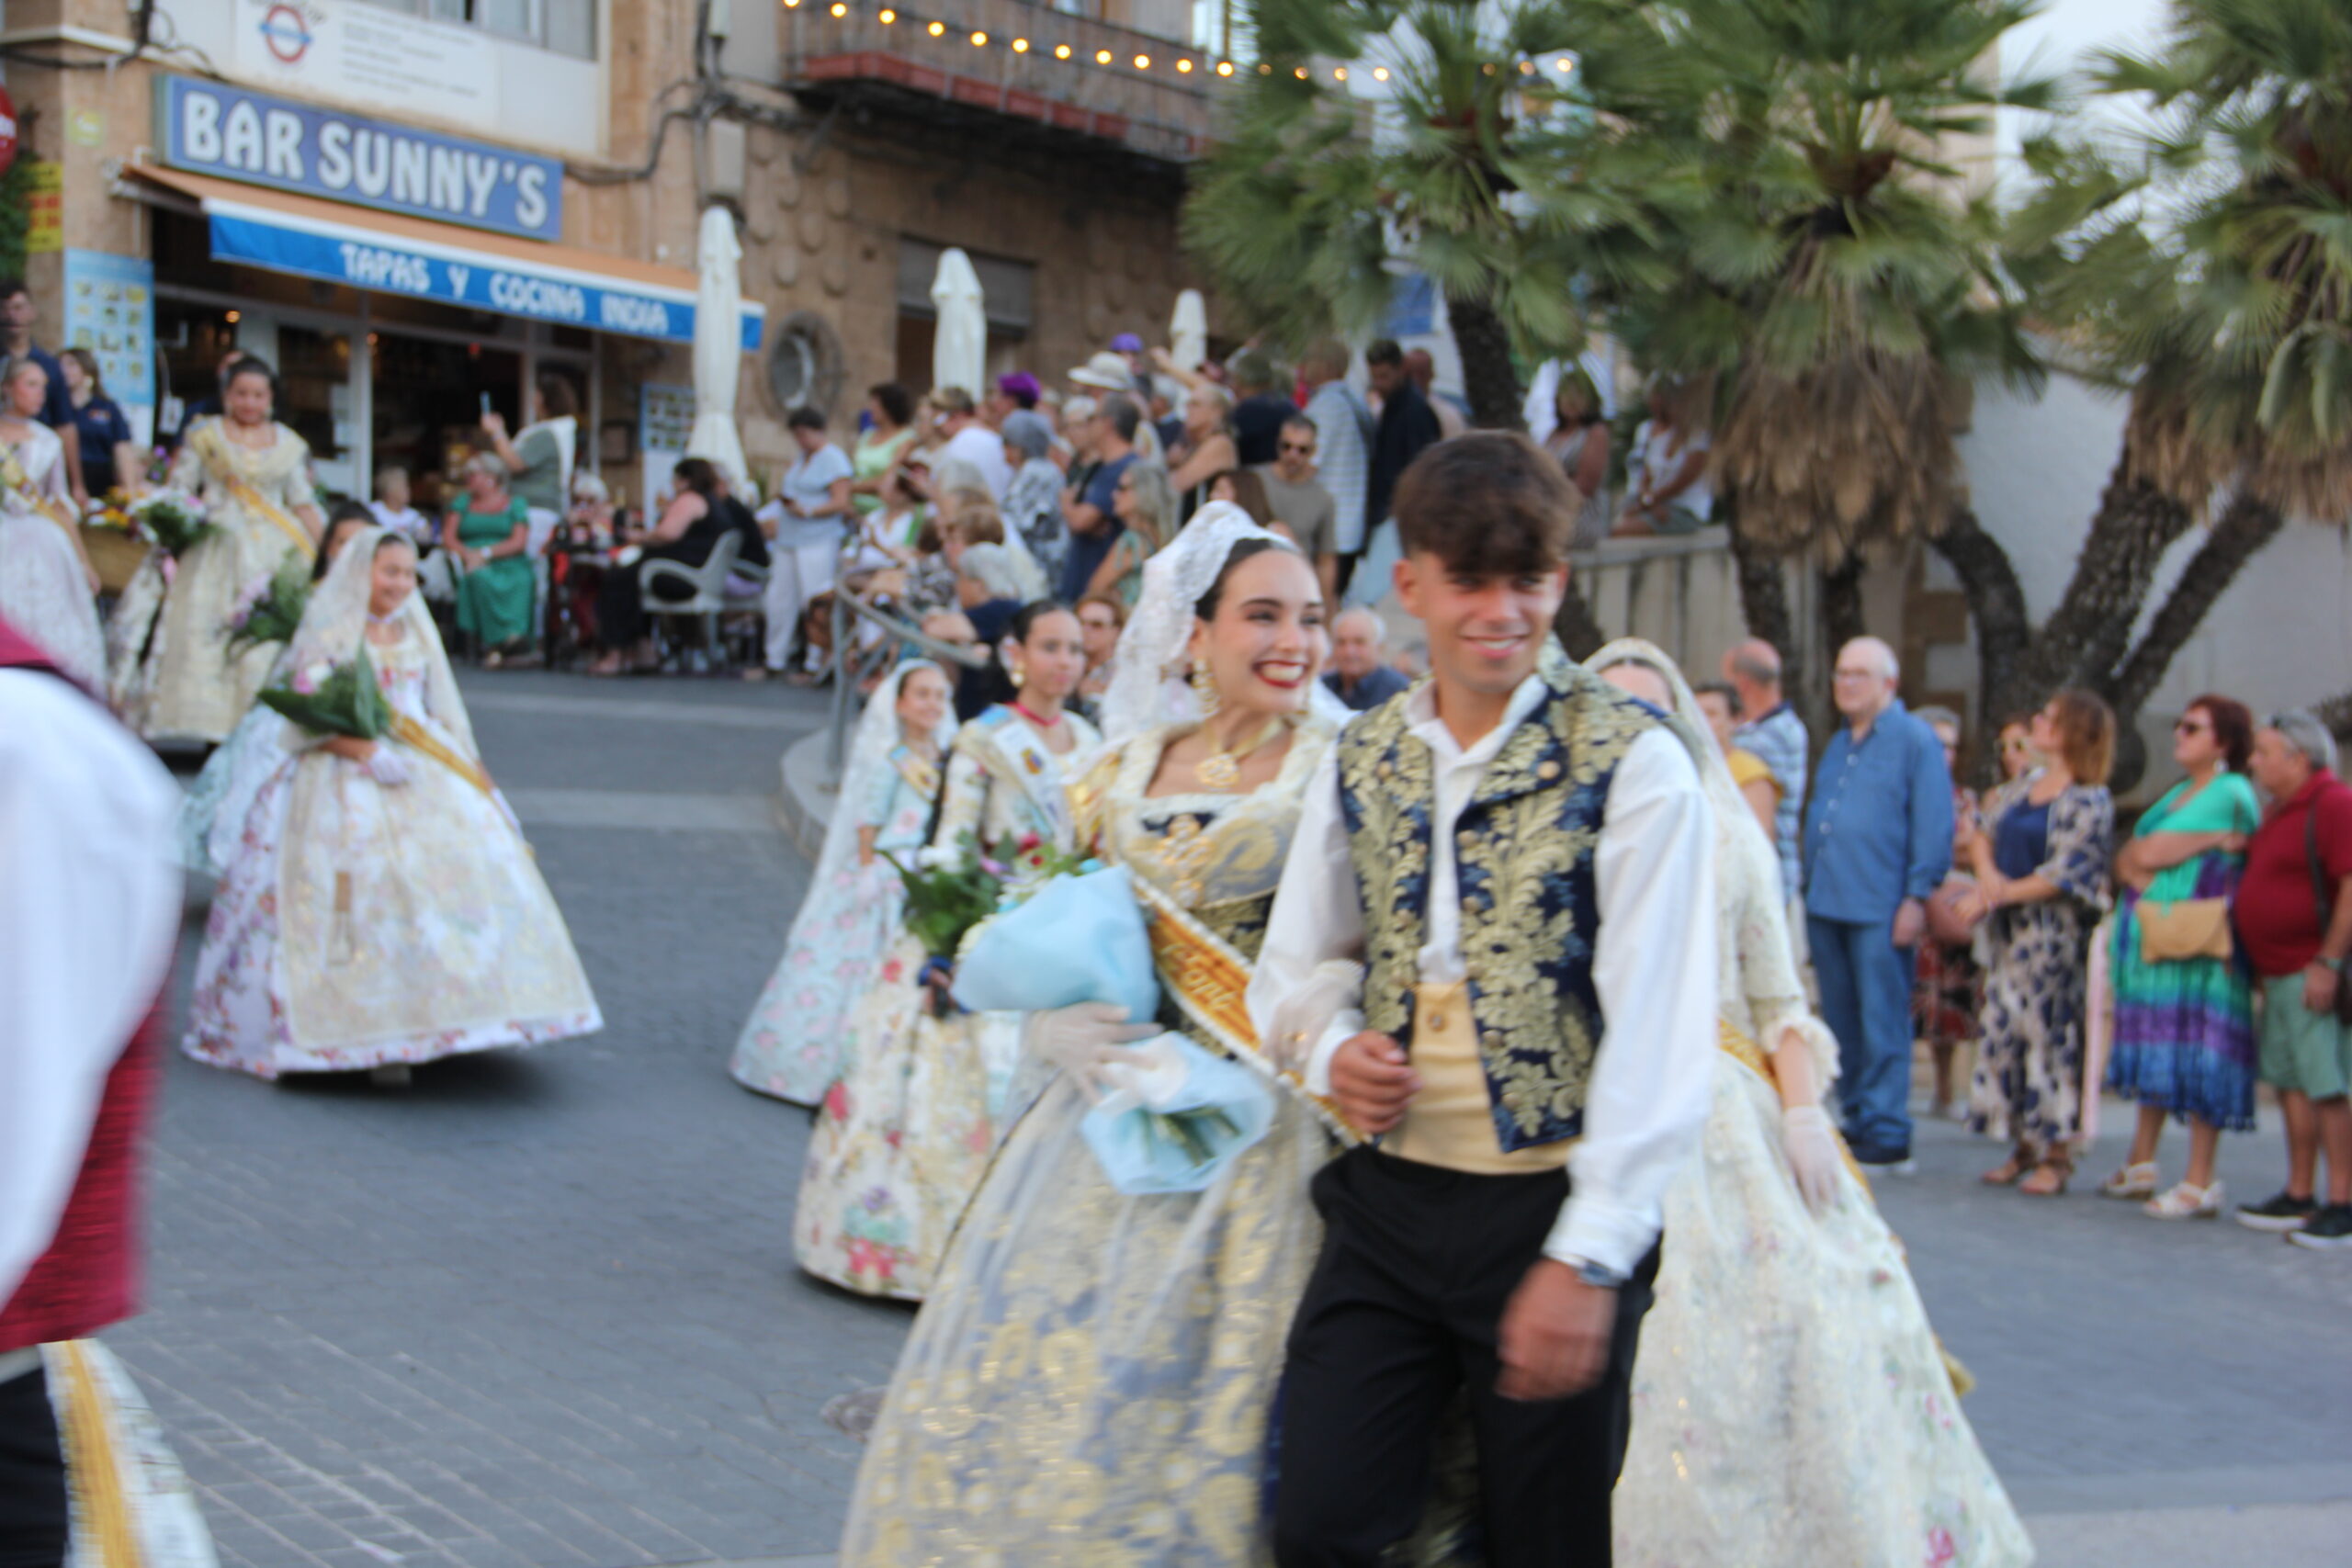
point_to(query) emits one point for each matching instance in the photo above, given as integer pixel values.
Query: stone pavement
(540, 1309)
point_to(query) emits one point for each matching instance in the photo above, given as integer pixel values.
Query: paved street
(540, 1309)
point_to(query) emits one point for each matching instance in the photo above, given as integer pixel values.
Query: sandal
(2048, 1178)
(2186, 1202)
(2134, 1182)
(2007, 1173)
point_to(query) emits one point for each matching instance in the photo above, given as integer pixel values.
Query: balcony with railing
(1008, 69)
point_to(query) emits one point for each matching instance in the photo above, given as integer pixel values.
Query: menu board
(665, 421)
(110, 310)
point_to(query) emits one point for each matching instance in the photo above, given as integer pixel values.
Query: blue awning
(393, 254)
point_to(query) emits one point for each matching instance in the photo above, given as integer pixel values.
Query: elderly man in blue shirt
(1877, 841)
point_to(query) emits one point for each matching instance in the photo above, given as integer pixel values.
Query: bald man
(1877, 841)
(1359, 676)
(1775, 736)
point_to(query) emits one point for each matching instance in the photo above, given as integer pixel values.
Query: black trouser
(621, 618)
(1398, 1322)
(33, 1519)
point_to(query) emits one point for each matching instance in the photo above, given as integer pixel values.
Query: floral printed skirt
(903, 1135)
(797, 1040)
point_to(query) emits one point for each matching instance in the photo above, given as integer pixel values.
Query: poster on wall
(45, 209)
(347, 52)
(665, 420)
(110, 310)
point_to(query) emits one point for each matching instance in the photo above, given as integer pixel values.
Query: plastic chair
(706, 585)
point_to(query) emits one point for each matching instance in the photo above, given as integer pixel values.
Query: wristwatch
(1598, 1275)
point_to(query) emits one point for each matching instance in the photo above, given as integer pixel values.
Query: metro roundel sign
(7, 131)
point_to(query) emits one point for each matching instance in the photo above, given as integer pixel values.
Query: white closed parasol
(1188, 331)
(719, 347)
(959, 348)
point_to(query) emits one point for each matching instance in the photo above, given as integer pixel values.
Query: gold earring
(1205, 690)
(1018, 675)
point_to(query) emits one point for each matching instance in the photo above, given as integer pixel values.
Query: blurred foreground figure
(89, 905)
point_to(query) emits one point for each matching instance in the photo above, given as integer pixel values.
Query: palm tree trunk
(2135, 525)
(2336, 714)
(1574, 625)
(1841, 603)
(1764, 597)
(1996, 604)
(2246, 526)
(1488, 374)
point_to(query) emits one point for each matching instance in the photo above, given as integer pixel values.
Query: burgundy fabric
(2276, 912)
(89, 1276)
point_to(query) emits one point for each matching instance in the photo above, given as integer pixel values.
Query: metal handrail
(847, 603)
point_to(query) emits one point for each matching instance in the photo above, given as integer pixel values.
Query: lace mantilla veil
(335, 621)
(1149, 688)
(869, 757)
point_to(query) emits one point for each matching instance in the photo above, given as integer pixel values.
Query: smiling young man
(1521, 856)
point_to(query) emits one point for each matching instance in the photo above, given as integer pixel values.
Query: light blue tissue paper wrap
(1142, 1158)
(1079, 939)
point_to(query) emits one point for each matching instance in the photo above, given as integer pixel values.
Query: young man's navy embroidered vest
(1523, 853)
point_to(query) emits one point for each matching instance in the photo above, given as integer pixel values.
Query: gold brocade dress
(1091, 1378)
(171, 671)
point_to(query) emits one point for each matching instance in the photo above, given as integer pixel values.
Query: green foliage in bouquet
(335, 699)
(272, 614)
(173, 527)
(948, 894)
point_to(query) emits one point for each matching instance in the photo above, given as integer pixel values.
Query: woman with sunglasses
(2184, 1022)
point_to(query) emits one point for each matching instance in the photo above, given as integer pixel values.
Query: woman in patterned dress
(46, 583)
(171, 671)
(793, 1045)
(1791, 1406)
(2184, 1026)
(903, 1135)
(2041, 883)
(1091, 1377)
(380, 908)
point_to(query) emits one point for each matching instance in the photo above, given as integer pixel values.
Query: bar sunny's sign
(210, 128)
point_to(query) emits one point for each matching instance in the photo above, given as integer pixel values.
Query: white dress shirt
(89, 911)
(1653, 961)
(984, 449)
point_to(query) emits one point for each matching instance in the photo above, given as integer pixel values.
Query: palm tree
(1312, 195)
(1800, 234)
(2210, 276)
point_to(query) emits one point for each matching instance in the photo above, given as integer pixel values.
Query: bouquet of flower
(335, 699)
(270, 606)
(172, 520)
(111, 510)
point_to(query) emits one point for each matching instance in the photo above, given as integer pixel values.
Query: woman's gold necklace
(1221, 769)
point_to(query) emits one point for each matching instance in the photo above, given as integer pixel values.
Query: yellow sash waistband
(217, 458)
(408, 732)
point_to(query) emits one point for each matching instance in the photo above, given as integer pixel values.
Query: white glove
(1085, 1039)
(388, 767)
(1812, 1153)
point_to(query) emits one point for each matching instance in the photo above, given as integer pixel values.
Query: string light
(1338, 73)
(1143, 63)
(1299, 71)
(840, 9)
(1021, 46)
(1102, 57)
(1061, 51)
(1564, 65)
(938, 28)
(1225, 68)
(979, 40)
(1380, 73)
(1527, 68)
(1183, 68)
(887, 16)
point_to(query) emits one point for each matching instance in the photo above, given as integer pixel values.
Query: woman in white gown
(1791, 1406)
(171, 672)
(794, 1046)
(1091, 1377)
(380, 908)
(46, 583)
(212, 813)
(905, 1132)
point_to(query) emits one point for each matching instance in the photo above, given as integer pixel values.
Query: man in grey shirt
(1300, 501)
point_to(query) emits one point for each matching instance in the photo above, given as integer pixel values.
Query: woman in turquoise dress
(794, 1044)
(491, 537)
(2184, 1026)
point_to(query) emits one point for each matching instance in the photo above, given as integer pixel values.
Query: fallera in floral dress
(906, 1133)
